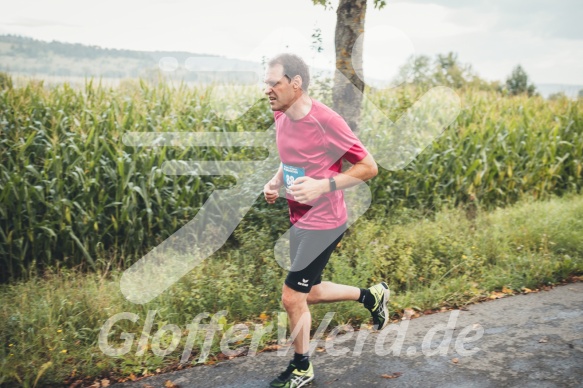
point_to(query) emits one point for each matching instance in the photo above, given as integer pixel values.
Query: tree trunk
(348, 87)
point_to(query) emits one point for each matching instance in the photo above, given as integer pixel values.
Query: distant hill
(546, 90)
(27, 56)
(31, 57)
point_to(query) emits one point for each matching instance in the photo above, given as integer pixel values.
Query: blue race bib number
(290, 174)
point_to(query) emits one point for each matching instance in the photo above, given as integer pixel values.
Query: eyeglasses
(273, 84)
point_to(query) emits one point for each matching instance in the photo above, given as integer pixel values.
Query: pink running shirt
(315, 145)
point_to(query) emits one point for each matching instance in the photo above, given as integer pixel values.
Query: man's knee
(291, 298)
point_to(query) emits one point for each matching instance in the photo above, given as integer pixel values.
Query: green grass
(447, 260)
(72, 194)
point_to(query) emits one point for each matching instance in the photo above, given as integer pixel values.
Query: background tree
(417, 70)
(348, 87)
(557, 96)
(444, 70)
(517, 83)
(449, 71)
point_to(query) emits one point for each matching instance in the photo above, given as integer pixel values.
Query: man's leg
(296, 306)
(327, 292)
(300, 370)
(374, 298)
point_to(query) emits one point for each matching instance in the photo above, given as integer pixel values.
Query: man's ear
(297, 82)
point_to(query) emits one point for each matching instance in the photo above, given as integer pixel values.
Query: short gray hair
(292, 65)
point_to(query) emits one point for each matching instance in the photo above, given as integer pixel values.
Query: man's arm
(307, 189)
(271, 188)
(362, 171)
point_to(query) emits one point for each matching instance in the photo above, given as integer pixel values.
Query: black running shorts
(310, 251)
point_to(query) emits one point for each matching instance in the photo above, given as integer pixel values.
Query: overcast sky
(545, 36)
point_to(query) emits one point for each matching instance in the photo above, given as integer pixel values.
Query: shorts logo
(304, 282)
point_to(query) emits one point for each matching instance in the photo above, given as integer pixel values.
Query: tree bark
(348, 87)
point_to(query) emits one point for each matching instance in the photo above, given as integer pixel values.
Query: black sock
(366, 298)
(301, 361)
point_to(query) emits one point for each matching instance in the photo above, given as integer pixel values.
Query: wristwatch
(332, 184)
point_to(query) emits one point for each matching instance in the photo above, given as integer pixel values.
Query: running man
(312, 140)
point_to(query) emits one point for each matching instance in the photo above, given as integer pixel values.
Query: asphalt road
(532, 340)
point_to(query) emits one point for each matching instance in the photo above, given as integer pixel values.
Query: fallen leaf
(497, 295)
(526, 290)
(170, 384)
(132, 377)
(147, 386)
(409, 313)
(271, 348)
(543, 340)
(76, 384)
(263, 317)
(105, 383)
(392, 376)
(506, 290)
(455, 360)
(320, 349)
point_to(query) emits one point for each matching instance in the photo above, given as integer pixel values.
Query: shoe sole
(306, 382)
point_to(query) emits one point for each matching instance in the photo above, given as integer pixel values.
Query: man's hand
(271, 191)
(306, 189)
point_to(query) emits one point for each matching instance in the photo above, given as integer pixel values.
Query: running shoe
(379, 312)
(292, 377)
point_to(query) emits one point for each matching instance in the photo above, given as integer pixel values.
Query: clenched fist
(271, 191)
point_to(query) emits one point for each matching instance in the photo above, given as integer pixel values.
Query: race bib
(290, 174)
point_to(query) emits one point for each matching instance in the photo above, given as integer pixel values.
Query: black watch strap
(332, 184)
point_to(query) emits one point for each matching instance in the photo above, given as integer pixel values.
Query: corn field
(498, 150)
(73, 195)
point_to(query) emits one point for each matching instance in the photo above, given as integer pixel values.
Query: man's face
(281, 91)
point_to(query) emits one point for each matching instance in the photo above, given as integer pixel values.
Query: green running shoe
(292, 377)
(379, 312)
